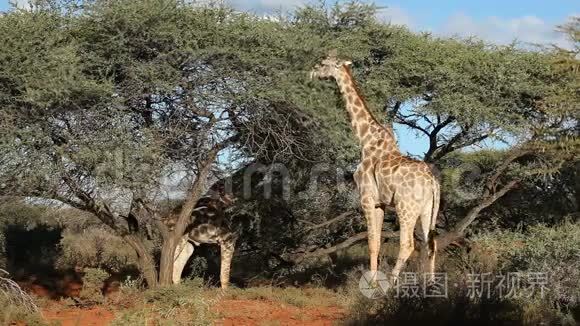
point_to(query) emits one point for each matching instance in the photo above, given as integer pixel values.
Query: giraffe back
(209, 223)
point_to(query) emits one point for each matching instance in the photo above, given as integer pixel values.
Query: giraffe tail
(434, 213)
(435, 206)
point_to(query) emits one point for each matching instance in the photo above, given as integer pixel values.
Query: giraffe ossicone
(385, 177)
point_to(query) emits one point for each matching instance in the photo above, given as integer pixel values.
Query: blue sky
(496, 21)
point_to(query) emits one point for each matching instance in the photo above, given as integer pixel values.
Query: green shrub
(551, 250)
(554, 251)
(93, 281)
(95, 247)
(198, 267)
(182, 304)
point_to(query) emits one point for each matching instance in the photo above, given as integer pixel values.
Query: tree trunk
(167, 258)
(144, 258)
(171, 239)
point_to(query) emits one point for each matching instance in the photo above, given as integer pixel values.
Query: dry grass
(191, 302)
(16, 305)
(185, 304)
(298, 297)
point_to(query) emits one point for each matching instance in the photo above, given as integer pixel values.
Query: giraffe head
(219, 192)
(330, 67)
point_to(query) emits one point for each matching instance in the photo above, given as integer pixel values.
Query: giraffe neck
(370, 133)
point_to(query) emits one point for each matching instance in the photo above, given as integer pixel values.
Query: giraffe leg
(227, 247)
(374, 217)
(373, 214)
(183, 251)
(407, 245)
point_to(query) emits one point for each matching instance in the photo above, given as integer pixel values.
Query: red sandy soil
(230, 312)
(95, 316)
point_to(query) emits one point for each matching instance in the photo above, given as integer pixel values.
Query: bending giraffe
(385, 177)
(209, 227)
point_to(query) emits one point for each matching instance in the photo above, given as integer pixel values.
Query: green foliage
(41, 66)
(198, 267)
(93, 280)
(17, 212)
(567, 59)
(553, 250)
(115, 54)
(95, 247)
(462, 175)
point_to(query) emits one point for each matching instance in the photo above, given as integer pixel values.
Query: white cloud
(21, 4)
(395, 15)
(262, 6)
(525, 29)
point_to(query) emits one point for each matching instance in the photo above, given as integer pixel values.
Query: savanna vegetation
(112, 111)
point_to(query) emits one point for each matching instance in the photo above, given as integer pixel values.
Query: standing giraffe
(385, 177)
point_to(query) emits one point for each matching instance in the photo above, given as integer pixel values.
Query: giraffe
(209, 226)
(385, 177)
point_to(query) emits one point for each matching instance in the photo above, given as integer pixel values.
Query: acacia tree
(112, 107)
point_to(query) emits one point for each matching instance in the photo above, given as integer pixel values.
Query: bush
(551, 250)
(182, 304)
(198, 267)
(93, 281)
(95, 247)
(541, 249)
(16, 306)
(11, 314)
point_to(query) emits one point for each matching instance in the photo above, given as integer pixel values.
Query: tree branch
(500, 169)
(449, 147)
(490, 195)
(88, 203)
(412, 124)
(459, 230)
(195, 192)
(332, 220)
(163, 229)
(433, 136)
(297, 258)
